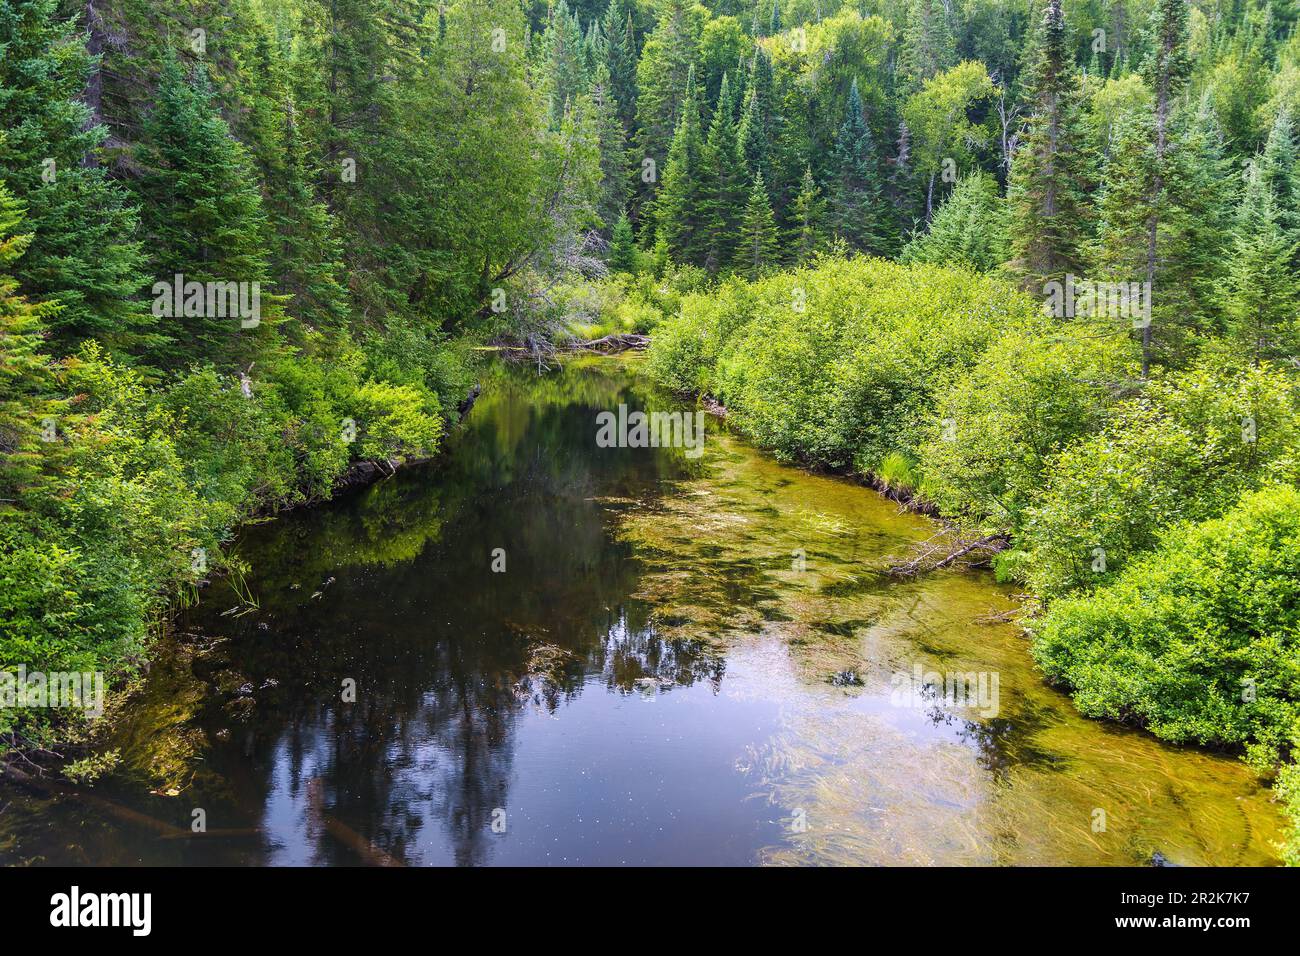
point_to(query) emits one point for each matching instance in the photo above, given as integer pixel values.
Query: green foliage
(1035, 390)
(970, 229)
(1185, 449)
(1197, 640)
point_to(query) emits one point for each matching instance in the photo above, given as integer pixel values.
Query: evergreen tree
(1278, 168)
(309, 254)
(622, 247)
(678, 214)
(1167, 69)
(26, 379)
(612, 141)
(855, 207)
(807, 235)
(84, 254)
(621, 58)
(662, 73)
(758, 246)
(203, 216)
(969, 229)
(1047, 171)
(1260, 300)
(928, 44)
(564, 69)
(724, 184)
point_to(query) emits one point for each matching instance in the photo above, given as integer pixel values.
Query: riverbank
(954, 388)
(678, 658)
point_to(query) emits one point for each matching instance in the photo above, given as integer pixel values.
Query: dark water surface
(684, 661)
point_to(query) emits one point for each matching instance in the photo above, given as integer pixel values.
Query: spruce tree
(807, 234)
(622, 247)
(855, 207)
(1047, 171)
(678, 213)
(1260, 301)
(758, 246)
(203, 217)
(724, 184)
(621, 57)
(84, 254)
(969, 229)
(27, 412)
(612, 142)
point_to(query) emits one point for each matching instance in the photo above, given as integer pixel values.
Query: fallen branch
(927, 560)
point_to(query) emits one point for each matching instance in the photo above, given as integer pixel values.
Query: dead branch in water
(945, 549)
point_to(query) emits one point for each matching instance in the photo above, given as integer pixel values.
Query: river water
(669, 660)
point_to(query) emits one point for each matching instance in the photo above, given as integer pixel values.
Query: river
(536, 650)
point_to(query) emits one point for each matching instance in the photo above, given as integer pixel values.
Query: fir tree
(757, 249)
(1260, 301)
(27, 413)
(969, 229)
(724, 184)
(855, 207)
(621, 58)
(84, 254)
(622, 247)
(612, 141)
(204, 216)
(678, 214)
(807, 234)
(1047, 171)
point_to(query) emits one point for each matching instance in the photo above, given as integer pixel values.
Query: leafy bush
(1198, 640)
(1184, 450)
(1032, 393)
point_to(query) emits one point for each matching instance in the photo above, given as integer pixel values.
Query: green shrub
(1176, 453)
(1032, 393)
(1198, 640)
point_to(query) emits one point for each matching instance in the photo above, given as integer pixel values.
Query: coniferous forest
(1029, 267)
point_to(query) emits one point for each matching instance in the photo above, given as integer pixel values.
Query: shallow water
(684, 661)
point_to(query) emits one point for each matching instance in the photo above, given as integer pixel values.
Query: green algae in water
(876, 784)
(684, 658)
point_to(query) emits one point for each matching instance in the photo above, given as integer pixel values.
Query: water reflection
(652, 679)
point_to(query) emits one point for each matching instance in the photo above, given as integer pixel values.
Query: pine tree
(1047, 171)
(26, 409)
(621, 58)
(855, 207)
(677, 210)
(203, 216)
(1260, 300)
(622, 247)
(724, 184)
(84, 254)
(758, 246)
(807, 235)
(969, 229)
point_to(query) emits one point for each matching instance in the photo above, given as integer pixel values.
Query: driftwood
(617, 342)
(354, 841)
(945, 549)
(51, 788)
